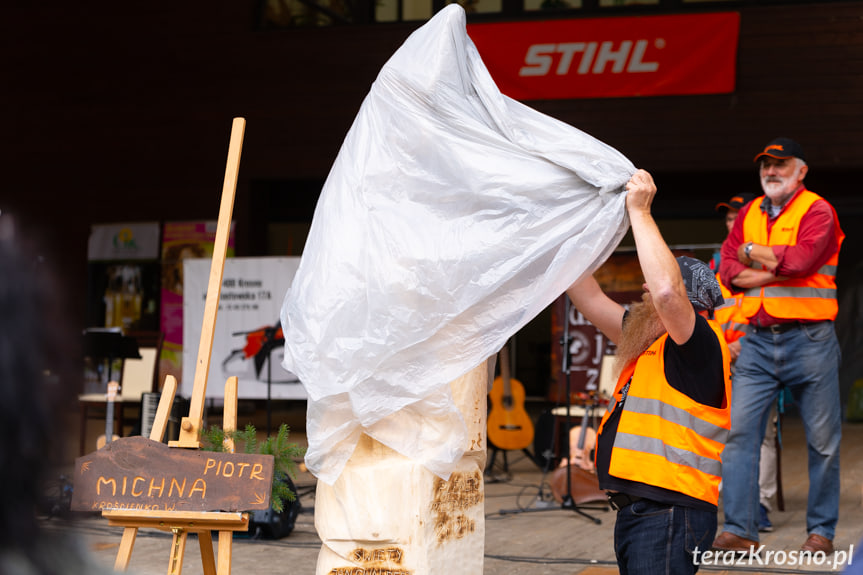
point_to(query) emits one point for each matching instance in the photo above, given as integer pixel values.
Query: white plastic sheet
(451, 217)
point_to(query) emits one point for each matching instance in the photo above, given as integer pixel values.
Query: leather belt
(779, 327)
(620, 500)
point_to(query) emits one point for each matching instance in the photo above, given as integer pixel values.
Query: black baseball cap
(736, 202)
(781, 149)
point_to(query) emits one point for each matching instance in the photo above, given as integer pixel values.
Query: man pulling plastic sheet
(452, 216)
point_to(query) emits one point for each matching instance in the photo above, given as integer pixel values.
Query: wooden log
(389, 514)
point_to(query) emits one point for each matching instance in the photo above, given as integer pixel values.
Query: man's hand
(658, 265)
(758, 254)
(734, 349)
(641, 191)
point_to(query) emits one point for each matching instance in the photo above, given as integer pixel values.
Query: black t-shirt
(695, 369)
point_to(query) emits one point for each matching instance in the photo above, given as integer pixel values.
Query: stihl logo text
(589, 58)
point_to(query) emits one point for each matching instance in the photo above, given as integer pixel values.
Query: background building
(122, 112)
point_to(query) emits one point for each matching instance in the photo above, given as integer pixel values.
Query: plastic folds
(452, 216)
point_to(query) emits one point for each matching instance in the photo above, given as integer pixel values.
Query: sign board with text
(247, 341)
(139, 473)
(611, 57)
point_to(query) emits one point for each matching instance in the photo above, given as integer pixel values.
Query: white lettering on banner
(540, 57)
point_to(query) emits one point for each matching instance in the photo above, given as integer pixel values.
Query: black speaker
(267, 524)
(546, 441)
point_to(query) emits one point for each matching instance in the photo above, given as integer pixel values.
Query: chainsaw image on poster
(263, 348)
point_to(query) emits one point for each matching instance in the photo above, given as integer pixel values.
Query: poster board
(245, 342)
(123, 276)
(123, 242)
(181, 240)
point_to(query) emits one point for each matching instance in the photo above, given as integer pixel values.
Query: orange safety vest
(729, 315)
(811, 298)
(664, 437)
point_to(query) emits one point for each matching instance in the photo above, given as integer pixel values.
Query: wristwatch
(748, 250)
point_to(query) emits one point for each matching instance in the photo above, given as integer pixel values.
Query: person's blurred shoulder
(52, 554)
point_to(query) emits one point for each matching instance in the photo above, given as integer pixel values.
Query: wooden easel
(181, 523)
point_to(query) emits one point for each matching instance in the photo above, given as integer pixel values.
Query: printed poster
(248, 340)
(181, 240)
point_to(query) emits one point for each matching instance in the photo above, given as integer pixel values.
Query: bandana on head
(702, 289)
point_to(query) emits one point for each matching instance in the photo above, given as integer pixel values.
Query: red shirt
(816, 243)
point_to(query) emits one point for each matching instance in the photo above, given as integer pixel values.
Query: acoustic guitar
(582, 442)
(109, 435)
(509, 425)
(583, 484)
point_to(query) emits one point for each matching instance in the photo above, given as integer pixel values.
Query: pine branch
(284, 455)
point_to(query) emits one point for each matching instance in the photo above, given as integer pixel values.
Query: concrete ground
(527, 531)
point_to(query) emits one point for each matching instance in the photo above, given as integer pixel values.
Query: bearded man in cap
(658, 454)
(782, 253)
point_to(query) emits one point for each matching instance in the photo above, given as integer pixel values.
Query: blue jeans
(806, 361)
(653, 538)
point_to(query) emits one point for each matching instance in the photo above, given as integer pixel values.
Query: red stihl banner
(611, 57)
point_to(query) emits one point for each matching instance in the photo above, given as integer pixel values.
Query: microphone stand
(567, 501)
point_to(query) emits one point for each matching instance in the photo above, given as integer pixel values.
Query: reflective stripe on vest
(729, 315)
(664, 438)
(810, 298)
(679, 456)
(677, 415)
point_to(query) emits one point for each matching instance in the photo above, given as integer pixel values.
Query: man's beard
(641, 329)
(779, 189)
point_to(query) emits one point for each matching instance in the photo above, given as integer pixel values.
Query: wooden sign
(139, 473)
(138, 482)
